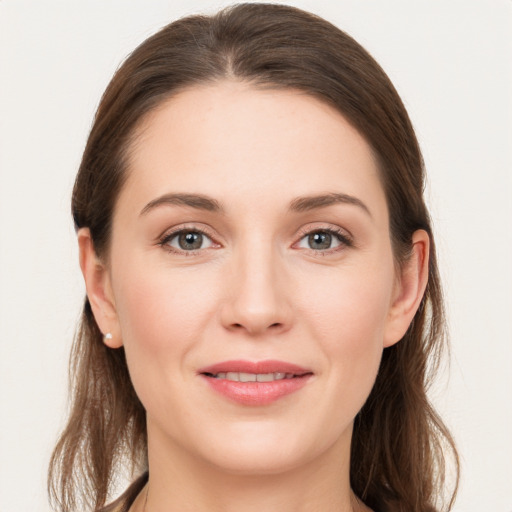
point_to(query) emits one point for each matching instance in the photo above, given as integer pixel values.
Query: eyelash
(168, 237)
(343, 238)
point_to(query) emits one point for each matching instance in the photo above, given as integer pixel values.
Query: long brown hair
(399, 442)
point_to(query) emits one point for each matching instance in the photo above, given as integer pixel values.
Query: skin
(257, 288)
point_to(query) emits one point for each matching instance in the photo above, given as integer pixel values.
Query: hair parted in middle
(398, 446)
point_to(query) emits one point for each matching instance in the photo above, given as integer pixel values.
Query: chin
(256, 449)
(252, 462)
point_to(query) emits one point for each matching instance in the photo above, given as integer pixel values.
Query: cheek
(348, 317)
(350, 307)
(159, 307)
(163, 315)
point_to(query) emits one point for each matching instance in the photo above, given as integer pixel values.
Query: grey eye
(190, 241)
(320, 241)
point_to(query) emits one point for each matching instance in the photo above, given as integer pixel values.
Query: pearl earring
(107, 336)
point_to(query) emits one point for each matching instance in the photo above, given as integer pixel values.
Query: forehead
(240, 143)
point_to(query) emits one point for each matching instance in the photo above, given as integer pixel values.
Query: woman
(263, 305)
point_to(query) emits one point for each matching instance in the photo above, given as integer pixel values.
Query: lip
(255, 393)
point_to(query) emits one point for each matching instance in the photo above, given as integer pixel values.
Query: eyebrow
(299, 204)
(303, 204)
(196, 201)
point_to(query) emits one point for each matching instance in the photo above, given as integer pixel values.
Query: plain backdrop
(450, 60)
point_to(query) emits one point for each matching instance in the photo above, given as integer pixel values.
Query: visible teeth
(265, 377)
(253, 377)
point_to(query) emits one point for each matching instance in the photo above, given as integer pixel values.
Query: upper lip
(258, 367)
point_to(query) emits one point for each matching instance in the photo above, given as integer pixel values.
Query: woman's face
(251, 242)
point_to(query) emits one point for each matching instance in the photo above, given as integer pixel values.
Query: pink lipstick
(255, 383)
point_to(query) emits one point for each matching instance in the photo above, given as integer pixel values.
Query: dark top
(125, 501)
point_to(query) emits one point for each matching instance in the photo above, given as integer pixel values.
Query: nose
(257, 294)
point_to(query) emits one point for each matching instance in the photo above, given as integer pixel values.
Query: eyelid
(164, 239)
(344, 236)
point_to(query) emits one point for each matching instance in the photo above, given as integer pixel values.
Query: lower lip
(256, 393)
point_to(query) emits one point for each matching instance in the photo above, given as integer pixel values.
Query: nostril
(274, 326)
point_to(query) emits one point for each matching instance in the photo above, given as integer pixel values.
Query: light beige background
(451, 62)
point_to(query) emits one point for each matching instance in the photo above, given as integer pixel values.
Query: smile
(252, 377)
(255, 384)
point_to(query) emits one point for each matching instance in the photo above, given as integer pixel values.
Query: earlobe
(410, 288)
(99, 290)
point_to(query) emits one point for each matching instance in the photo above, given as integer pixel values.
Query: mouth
(252, 377)
(255, 383)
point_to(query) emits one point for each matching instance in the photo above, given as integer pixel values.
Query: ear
(409, 289)
(99, 290)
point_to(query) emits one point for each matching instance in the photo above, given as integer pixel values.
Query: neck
(179, 482)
